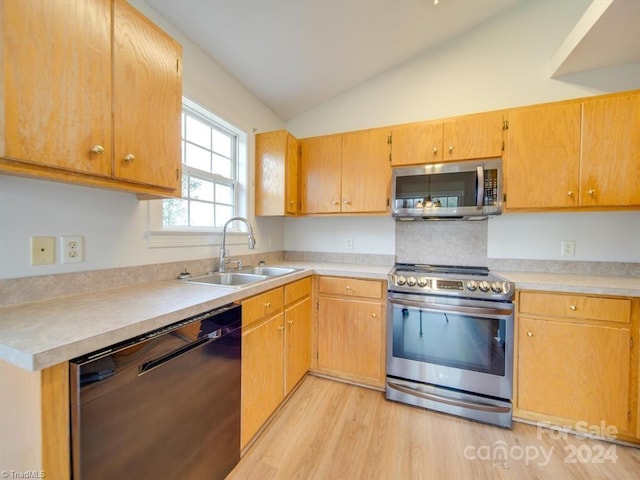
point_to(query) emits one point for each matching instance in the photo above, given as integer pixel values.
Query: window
(209, 173)
(214, 183)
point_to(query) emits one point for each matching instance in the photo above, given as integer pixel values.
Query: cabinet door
(321, 167)
(574, 371)
(271, 165)
(350, 338)
(610, 170)
(292, 176)
(57, 84)
(416, 143)
(147, 79)
(543, 159)
(298, 342)
(262, 374)
(473, 136)
(366, 171)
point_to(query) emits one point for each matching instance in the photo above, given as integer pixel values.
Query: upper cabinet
(277, 178)
(348, 173)
(575, 154)
(610, 168)
(464, 138)
(91, 94)
(543, 157)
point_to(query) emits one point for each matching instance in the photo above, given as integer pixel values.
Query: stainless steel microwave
(456, 190)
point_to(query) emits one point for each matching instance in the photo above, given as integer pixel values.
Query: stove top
(449, 280)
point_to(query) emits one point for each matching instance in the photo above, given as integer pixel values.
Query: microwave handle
(480, 190)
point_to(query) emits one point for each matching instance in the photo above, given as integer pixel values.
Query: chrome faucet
(223, 249)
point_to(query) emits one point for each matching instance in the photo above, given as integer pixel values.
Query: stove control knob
(472, 285)
(411, 281)
(484, 286)
(422, 281)
(496, 287)
(400, 280)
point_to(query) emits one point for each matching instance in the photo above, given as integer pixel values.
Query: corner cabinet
(348, 173)
(276, 351)
(464, 138)
(576, 360)
(575, 154)
(91, 94)
(277, 174)
(350, 330)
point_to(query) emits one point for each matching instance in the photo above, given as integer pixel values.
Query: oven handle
(453, 308)
(480, 195)
(450, 401)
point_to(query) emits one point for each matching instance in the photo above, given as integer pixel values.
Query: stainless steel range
(450, 341)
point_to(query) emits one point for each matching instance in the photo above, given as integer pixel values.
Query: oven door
(455, 343)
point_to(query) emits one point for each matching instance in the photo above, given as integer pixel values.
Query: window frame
(159, 235)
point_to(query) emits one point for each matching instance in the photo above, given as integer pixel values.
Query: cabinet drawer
(261, 306)
(576, 306)
(297, 290)
(352, 287)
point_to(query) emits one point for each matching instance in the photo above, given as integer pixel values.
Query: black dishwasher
(165, 404)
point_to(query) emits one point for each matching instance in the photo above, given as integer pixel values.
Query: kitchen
(116, 239)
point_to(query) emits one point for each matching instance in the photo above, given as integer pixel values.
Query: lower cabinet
(276, 351)
(351, 330)
(577, 366)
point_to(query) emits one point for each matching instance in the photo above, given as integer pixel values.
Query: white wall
(114, 223)
(502, 63)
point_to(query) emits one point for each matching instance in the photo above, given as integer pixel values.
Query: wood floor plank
(330, 430)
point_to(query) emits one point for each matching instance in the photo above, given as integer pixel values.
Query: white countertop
(37, 335)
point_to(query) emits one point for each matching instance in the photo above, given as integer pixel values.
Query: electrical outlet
(349, 242)
(43, 250)
(72, 249)
(567, 248)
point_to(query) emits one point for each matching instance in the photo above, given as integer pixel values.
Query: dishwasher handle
(157, 362)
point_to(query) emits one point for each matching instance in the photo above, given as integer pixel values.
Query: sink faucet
(223, 250)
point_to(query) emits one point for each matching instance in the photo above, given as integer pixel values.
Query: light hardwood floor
(332, 430)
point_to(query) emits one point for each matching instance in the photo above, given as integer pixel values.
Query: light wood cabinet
(574, 154)
(575, 361)
(277, 174)
(465, 138)
(348, 173)
(351, 330)
(610, 167)
(276, 351)
(83, 83)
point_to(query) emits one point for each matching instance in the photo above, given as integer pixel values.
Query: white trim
(172, 238)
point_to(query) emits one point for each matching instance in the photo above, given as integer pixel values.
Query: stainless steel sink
(231, 279)
(268, 271)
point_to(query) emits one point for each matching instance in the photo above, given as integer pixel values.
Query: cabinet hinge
(503, 145)
(389, 140)
(299, 150)
(631, 343)
(317, 305)
(504, 197)
(177, 65)
(505, 125)
(388, 201)
(389, 157)
(177, 174)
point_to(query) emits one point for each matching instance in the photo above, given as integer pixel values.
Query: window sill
(174, 238)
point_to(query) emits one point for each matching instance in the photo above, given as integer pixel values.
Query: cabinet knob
(529, 333)
(281, 327)
(348, 288)
(290, 322)
(267, 304)
(99, 149)
(334, 202)
(291, 202)
(374, 315)
(129, 157)
(591, 192)
(346, 202)
(450, 148)
(435, 150)
(570, 193)
(573, 307)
